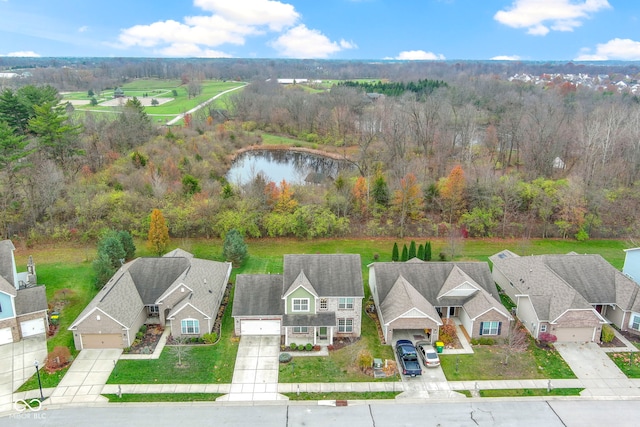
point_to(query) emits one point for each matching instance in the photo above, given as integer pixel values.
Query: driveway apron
(255, 376)
(597, 372)
(16, 366)
(86, 377)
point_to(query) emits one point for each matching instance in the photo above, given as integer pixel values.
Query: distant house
(317, 299)
(570, 296)
(177, 291)
(417, 295)
(118, 93)
(23, 304)
(632, 264)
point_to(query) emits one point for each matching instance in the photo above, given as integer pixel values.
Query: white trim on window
(635, 322)
(190, 326)
(490, 328)
(345, 325)
(543, 327)
(345, 303)
(300, 329)
(324, 304)
(300, 304)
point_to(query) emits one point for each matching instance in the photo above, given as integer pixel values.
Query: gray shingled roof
(7, 287)
(144, 281)
(327, 318)
(6, 261)
(429, 279)
(258, 295)
(303, 281)
(332, 275)
(31, 300)
(153, 276)
(550, 294)
(403, 297)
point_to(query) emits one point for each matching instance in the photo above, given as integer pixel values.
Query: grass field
(343, 395)
(163, 397)
(526, 392)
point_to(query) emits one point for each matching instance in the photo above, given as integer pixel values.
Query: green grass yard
(162, 397)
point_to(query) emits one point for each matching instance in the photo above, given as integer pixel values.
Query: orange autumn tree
(452, 191)
(158, 238)
(285, 203)
(361, 197)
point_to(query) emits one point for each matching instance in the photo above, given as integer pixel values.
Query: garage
(101, 341)
(29, 328)
(5, 336)
(260, 327)
(574, 334)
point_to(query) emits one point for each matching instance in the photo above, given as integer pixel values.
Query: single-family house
(632, 264)
(317, 299)
(570, 296)
(176, 290)
(417, 295)
(23, 303)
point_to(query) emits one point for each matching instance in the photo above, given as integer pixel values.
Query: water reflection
(276, 165)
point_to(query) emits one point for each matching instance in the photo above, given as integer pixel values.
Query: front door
(322, 332)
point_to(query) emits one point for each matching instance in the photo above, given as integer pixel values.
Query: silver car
(428, 354)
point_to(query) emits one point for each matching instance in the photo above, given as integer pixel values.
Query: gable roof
(31, 300)
(7, 288)
(556, 283)
(301, 281)
(258, 294)
(144, 281)
(436, 283)
(332, 275)
(402, 298)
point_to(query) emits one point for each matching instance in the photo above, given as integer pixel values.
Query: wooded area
(472, 155)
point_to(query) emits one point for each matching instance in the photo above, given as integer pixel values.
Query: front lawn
(344, 395)
(627, 362)
(201, 364)
(487, 363)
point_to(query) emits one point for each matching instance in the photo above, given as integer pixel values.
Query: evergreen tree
(427, 251)
(158, 238)
(405, 253)
(127, 243)
(234, 248)
(103, 269)
(420, 252)
(412, 250)
(394, 253)
(380, 191)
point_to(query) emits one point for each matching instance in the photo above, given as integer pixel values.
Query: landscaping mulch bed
(615, 343)
(149, 341)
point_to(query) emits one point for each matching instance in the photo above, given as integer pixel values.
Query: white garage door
(5, 336)
(574, 334)
(260, 327)
(32, 327)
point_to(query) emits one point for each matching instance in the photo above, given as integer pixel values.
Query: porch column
(315, 336)
(286, 336)
(331, 334)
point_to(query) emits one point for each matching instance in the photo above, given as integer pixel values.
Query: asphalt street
(523, 413)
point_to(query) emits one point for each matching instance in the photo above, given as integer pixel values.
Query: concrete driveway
(86, 377)
(255, 376)
(16, 366)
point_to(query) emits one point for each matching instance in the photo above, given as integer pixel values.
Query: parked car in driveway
(428, 354)
(408, 358)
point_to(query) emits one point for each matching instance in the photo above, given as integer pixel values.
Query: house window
(543, 327)
(301, 304)
(490, 328)
(190, 326)
(345, 325)
(345, 303)
(635, 323)
(324, 304)
(300, 329)
(0, 307)
(153, 310)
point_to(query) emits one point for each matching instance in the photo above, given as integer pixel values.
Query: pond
(292, 166)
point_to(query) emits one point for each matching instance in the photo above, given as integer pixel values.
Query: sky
(527, 30)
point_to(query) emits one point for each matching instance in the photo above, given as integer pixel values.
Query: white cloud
(274, 14)
(83, 29)
(23, 54)
(506, 58)
(417, 55)
(232, 22)
(621, 49)
(302, 42)
(541, 16)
